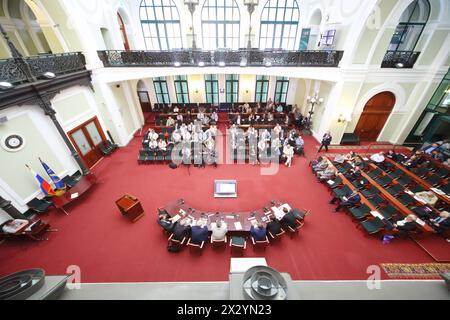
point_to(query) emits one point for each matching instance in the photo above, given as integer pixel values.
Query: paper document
(176, 218)
(278, 213)
(230, 217)
(330, 182)
(376, 214)
(420, 200)
(420, 222)
(409, 192)
(238, 225)
(74, 195)
(183, 213)
(438, 191)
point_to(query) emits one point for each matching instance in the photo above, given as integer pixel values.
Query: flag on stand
(43, 184)
(59, 184)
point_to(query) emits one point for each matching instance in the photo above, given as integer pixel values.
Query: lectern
(130, 207)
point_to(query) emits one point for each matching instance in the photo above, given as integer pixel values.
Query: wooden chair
(195, 248)
(294, 231)
(238, 245)
(260, 245)
(173, 241)
(276, 237)
(219, 243)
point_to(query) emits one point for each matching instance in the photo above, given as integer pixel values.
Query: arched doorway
(374, 117)
(123, 32)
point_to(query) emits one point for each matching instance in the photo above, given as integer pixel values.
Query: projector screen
(225, 188)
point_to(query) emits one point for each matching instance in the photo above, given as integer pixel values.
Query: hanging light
(5, 85)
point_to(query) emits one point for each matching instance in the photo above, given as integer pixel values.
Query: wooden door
(374, 117)
(144, 99)
(123, 33)
(87, 139)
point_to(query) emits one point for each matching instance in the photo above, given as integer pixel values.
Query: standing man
(326, 140)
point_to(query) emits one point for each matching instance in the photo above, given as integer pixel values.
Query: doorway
(123, 32)
(374, 117)
(87, 139)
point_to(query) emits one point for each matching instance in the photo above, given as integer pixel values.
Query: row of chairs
(361, 212)
(107, 147)
(41, 206)
(147, 156)
(238, 244)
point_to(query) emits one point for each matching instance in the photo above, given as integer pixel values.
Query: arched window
(410, 27)
(279, 24)
(220, 24)
(123, 32)
(160, 22)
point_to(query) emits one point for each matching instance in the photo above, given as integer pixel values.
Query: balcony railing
(243, 57)
(400, 59)
(12, 71)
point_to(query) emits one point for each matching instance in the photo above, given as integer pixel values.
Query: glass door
(88, 139)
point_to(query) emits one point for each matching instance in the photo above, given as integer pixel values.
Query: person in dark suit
(354, 174)
(199, 233)
(181, 230)
(349, 200)
(326, 141)
(405, 226)
(289, 219)
(258, 233)
(165, 223)
(441, 223)
(274, 226)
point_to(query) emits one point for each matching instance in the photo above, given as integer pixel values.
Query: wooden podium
(130, 207)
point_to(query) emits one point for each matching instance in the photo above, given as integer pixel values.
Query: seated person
(354, 174)
(219, 230)
(170, 122)
(395, 156)
(199, 233)
(182, 230)
(320, 165)
(377, 158)
(165, 222)
(153, 145)
(411, 162)
(441, 223)
(349, 200)
(274, 226)
(438, 156)
(328, 174)
(299, 143)
(350, 156)
(258, 232)
(14, 226)
(428, 149)
(405, 226)
(280, 108)
(340, 158)
(162, 145)
(289, 219)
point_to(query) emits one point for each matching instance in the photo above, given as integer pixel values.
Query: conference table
(85, 183)
(237, 222)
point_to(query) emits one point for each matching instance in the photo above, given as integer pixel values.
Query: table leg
(64, 210)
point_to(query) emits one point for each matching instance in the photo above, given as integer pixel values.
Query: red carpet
(437, 247)
(108, 248)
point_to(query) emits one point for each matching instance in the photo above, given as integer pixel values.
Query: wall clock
(13, 142)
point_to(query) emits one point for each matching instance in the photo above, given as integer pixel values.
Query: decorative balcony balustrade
(12, 70)
(243, 57)
(400, 59)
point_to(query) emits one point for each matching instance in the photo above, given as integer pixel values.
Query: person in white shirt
(176, 109)
(247, 108)
(153, 145)
(265, 135)
(187, 136)
(200, 116)
(219, 231)
(190, 127)
(238, 120)
(277, 130)
(176, 136)
(213, 130)
(288, 151)
(154, 136)
(180, 118)
(170, 122)
(377, 157)
(162, 145)
(214, 117)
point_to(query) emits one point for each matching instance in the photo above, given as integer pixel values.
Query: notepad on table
(420, 199)
(183, 213)
(238, 225)
(176, 218)
(74, 195)
(438, 191)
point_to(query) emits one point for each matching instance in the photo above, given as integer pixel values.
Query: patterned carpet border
(415, 271)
